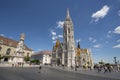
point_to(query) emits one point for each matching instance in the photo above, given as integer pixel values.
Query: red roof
(10, 42)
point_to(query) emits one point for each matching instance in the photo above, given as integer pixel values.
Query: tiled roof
(10, 42)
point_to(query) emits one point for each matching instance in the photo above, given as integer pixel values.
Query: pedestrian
(40, 67)
(75, 68)
(71, 67)
(105, 69)
(12, 65)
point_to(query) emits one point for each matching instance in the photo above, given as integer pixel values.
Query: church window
(68, 30)
(8, 51)
(69, 37)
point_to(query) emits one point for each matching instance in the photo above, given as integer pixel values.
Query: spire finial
(22, 37)
(68, 15)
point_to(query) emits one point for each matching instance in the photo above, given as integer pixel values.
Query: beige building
(8, 47)
(43, 56)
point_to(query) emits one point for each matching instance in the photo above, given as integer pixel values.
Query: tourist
(105, 69)
(40, 67)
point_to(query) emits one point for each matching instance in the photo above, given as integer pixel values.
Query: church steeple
(78, 44)
(69, 43)
(68, 15)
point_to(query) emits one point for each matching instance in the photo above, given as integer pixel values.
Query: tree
(1, 57)
(27, 58)
(35, 61)
(102, 63)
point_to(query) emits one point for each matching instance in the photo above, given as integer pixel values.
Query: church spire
(78, 44)
(68, 15)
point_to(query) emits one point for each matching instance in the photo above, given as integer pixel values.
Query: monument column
(18, 58)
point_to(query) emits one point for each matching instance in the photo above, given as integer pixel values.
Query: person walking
(105, 69)
(40, 67)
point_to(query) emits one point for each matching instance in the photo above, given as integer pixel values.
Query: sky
(96, 24)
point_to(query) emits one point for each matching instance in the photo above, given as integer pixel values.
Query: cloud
(116, 46)
(53, 33)
(117, 30)
(78, 40)
(97, 46)
(40, 49)
(54, 37)
(109, 34)
(118, 40)
(119, 13)
(101, 13)
(53, 41)
(92, 39)
(60, 36)
(60, 24)
(2, 35)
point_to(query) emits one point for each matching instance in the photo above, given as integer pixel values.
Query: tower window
(68, 30)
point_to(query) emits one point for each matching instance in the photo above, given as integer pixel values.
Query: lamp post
(75, 65)
(115, 61)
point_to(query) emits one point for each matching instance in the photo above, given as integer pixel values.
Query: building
(43, 56)
(83, 57)
(66, 53)
(9, 49)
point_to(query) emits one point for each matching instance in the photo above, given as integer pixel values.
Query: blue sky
(96, 24)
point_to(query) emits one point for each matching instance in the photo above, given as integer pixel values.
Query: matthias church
(66, 53)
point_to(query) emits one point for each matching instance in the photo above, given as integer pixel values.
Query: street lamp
(75, 65)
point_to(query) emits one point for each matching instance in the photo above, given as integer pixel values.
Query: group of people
(19, 64)
(106, 68)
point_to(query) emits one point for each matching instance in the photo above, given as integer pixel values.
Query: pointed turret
(22, 37)
(78, 44)
(68, 15)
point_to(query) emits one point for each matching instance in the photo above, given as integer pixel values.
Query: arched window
(8, 51)
(68, 30)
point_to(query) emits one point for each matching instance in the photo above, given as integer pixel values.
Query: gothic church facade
(65, 53)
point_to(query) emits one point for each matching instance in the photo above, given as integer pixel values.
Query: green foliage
(27, 58)
(101, 63)
(1, 57)
(35, 61)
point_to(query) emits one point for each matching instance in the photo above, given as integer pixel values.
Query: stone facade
(83, 57)
(8, 49)
(65, 53)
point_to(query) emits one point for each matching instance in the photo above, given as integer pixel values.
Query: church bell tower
(69, 42)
